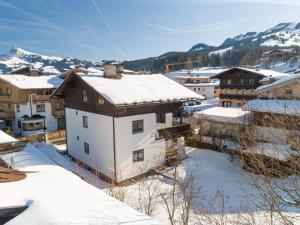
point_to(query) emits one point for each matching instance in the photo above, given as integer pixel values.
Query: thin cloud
(102, 16)
(44, 21)
(188, 31)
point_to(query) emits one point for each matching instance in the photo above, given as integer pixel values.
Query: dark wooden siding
(73, 100)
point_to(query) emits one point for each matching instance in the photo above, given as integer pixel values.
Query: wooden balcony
(7, 115)
(239, 97)
(175, 131)
(58, 113)
(239, 86)
(40, 98)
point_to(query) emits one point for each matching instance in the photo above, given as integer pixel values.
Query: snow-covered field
(224, 190)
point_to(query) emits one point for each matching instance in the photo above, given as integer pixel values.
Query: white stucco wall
(99, 136)
(206, 91)
(127, 143)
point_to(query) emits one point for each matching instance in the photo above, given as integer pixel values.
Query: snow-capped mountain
(282, 35)
(17, 58)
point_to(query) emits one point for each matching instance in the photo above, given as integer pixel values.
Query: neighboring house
(25, 104)
(117, 123)
(199, 81)
(237, 86)
(207, 90)
(272, 119)
(278, 105)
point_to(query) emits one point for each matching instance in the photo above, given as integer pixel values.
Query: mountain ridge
(233, 51)
(17, 58)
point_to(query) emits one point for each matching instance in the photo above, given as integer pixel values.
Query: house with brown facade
(118, 124)
(25, 103)
(238, 85)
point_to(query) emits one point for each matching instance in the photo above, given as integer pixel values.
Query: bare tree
(271, 147)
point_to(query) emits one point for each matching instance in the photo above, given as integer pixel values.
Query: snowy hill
(17, 58)
(243, 49)
(282, 35)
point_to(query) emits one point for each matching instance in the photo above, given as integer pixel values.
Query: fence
(49, 137)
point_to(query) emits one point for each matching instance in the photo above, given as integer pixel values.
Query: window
(195, 89)
(228, 82)
(138, 155)
(199, 89)
(18, 108)
(288, 91)
(160, 117)
(242, 81)
(76, 112)
(203, 89)
(137, 126)
(85, 122)
(19, 124)
(8, 91)
(58, 106)
(77, 138)
(251, 81)
(1, 108)
(40, 108)
(86, 148)
(84, 96)
(100, 101)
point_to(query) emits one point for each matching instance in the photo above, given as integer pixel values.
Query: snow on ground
(214, 173)
(52, 152)
(58, 197)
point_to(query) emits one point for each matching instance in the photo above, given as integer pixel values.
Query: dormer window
(84, 96)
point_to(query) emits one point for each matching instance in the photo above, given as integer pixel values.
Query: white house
(116, 123)
(207, 90)
(25, 104)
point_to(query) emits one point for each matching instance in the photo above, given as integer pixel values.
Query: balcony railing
(58, 113)
(7, 115)
(175, 131)
(236, 96)
(239, 86)
(40, 98)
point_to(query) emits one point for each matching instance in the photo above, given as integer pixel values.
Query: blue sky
(132, 29)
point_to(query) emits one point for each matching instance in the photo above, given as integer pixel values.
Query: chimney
(33, 72)
(112, 69)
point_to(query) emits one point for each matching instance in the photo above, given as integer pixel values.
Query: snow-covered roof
(291, 107)
(138, 89)
(204, 72)
(285, 80)
(5, 138)
(212, 84)
(224, 114)
(262, 72)
(58, 197)
(32, 82)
